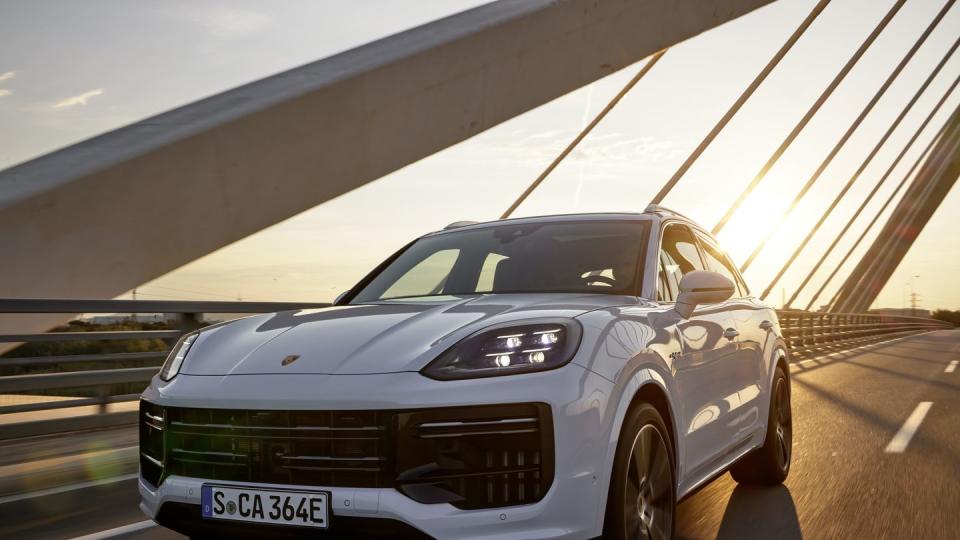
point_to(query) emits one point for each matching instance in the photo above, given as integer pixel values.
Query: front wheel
(770, 464)
(642, 499)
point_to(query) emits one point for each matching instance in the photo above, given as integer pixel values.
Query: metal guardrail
(97, 336)
(100, 379)
(805, 332)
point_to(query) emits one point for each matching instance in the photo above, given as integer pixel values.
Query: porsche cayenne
(538, 378)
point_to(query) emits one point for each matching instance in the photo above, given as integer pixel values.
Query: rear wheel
(770, 463)
(642, 499)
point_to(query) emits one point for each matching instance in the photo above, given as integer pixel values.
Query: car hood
(386, 337)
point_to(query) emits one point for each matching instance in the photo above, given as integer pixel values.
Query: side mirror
(702, 287)
(339, 297)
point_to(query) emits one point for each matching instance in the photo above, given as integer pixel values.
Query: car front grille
(333, 448)
(470, 457)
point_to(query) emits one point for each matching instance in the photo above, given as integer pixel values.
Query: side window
(427, 277)
(718, 262)
(663, 293)
(678, 256)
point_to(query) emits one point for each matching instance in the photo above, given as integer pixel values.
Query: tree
(952, 317)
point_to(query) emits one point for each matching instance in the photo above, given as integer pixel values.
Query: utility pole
(913, 296)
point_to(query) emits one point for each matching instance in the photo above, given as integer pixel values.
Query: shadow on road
(760, 512)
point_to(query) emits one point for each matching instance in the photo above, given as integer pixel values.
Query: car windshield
(567, 256)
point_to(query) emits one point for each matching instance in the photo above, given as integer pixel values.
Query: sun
(750, 224)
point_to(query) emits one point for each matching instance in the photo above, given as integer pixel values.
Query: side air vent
(476, 457)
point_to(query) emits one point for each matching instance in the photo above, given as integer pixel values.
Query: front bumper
(576, 398)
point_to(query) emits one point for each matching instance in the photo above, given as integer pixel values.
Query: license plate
(273, 506)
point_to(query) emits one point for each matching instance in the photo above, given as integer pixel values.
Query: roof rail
(458, 224)
(656, 208)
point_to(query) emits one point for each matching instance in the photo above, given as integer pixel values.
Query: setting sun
(742, 234)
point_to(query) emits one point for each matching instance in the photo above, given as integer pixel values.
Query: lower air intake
(476, 457)
(470, 457)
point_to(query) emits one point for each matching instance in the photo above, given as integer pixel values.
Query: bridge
(874, 393)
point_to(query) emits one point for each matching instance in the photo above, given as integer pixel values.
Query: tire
(770, 464)
(642, 500)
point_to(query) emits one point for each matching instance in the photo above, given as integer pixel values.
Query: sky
(71, 70)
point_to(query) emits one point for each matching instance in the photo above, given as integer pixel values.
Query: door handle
(730, 333)
(766, 325)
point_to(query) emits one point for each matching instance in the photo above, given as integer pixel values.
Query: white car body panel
(388, 337)
(576, 396)
(369, 357)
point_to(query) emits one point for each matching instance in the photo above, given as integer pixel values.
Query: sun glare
(748, 226)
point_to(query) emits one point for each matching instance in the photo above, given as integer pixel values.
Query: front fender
(631, 347)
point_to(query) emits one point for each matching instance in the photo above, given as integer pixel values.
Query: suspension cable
(583, 133)
(860, 171)
(782, 217)
(808, 116)
(665, 190)
(903, 182)
(868, 199)
(902, 225)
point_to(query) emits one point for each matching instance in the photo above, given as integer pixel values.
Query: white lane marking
(64, 489)
(900, 441)
(117, 531)
(951, 367)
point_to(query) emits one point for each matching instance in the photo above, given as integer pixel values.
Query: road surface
(876, 455)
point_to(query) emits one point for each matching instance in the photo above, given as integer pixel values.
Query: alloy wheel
(648, 497)
(784, 426)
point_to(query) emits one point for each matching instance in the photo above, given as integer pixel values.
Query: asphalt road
(849, 410)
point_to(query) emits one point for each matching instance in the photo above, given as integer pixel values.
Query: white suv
(550, 377)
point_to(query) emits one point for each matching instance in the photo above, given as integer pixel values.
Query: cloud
(5, 92)
(78, 100)
(7, 75)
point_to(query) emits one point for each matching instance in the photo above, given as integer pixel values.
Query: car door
(747, 364)
(701, 370)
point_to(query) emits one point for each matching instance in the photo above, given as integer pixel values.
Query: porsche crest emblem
(289, 359)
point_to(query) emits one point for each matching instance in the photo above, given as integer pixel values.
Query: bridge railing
(805, 332)
(104, 375)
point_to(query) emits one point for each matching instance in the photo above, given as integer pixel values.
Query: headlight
(537, 345)
(175, 359)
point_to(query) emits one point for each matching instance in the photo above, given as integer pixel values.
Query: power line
(583, 133)
(140, 293)
(204, 293)
(869, 198)
(914, 302)
(771, 232)
(665, 190)
(808, 116)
